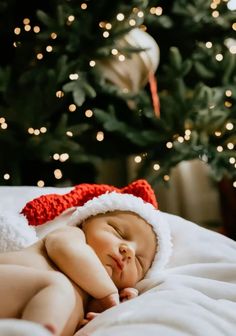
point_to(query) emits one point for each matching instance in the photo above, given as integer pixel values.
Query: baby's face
(125, 244)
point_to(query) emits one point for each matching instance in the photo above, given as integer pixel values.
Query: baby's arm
(68, 249)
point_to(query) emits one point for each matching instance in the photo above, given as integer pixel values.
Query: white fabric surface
(195, 294)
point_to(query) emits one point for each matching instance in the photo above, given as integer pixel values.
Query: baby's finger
(91, 315)
(128, 293)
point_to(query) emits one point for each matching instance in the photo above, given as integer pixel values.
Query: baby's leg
(45, 297)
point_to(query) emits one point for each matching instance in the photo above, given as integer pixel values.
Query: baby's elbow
(53, 243)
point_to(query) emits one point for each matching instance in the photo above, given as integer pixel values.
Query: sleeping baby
(74, 272)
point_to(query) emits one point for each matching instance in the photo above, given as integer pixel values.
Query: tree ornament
(131, 73)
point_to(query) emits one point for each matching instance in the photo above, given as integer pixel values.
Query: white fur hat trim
(128, 202)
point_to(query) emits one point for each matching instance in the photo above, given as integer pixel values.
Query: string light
(228, 104)
(108, 25)
(230, 145)
(232, 160)
(58, 174)
(114, 51)
(26, 21)
(36, 29)
(71, 18)
(219, 149)
(6, 176)
(59, 94)
(215, 14)
(74, 76)
(219, 57)
(49, 48)
(156, 166)
(64, 157)
(217, 133)
(56, 156)
(4, 125)
(140, 14)
(169, 144)
(232, 49)
(132, 22)
(228, 93)
(229, 126)
(17, 30)
(156, 11)
(88, 113)
(180, 139)
(166, 178)
(137, 159)
(92, 63)
(208, 44)
(102, 24)
(37, 131)
(106, 34)
(69, 134)
(72, 108)
(53, 35)
(100, 136)
(39, 56)
(213, 5)
(234, 184)
(120, 17)
(40, 183)
(84, 6)
(27, 28)
(43, 129)
(121, 58)
(234, 26)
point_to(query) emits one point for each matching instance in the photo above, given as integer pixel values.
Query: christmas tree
(75, 88)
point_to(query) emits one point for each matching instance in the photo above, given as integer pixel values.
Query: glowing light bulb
(58, 174)
(92, 63)
(120, 17)
(100, 136)
(40, 183)
(74, 76)
(88, 113)
(72, 107)
(229, 126)
(6, 176)
(36, 29)
(208, 44)
(156, 166)
(137, 159)
(17, 30)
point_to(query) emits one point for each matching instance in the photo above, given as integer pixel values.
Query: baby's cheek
(109, 270)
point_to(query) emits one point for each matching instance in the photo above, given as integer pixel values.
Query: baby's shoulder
(64, 233)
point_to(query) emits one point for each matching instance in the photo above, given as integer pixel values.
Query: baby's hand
(99, 305)
(128, 294)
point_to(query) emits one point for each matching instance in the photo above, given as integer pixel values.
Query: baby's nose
(127, 251)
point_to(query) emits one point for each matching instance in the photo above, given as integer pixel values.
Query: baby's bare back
(34, 256)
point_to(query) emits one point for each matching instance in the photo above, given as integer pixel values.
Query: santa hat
(93, 199)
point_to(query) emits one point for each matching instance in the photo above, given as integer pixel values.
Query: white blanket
(194, 295)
